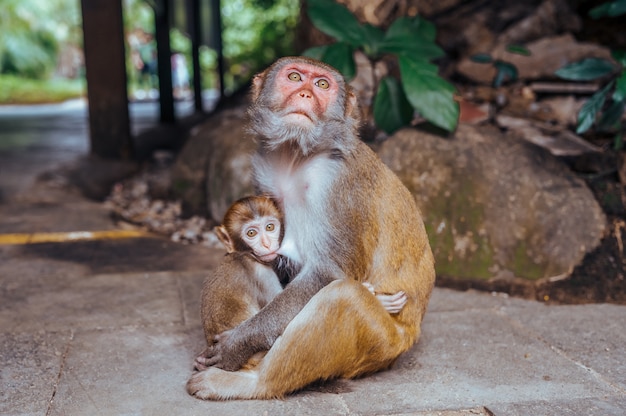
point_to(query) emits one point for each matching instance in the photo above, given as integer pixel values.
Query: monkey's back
(388, 231)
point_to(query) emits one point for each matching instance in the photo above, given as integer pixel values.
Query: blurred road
(48, 135)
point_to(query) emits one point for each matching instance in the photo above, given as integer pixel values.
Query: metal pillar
(164, 63)
(109, 123)
(216, 26)
(195, 31)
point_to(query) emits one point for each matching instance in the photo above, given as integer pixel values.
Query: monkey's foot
(201, 362)
(217, 384)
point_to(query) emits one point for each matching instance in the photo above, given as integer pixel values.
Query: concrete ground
(110, 326)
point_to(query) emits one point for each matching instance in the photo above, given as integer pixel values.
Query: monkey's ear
(257, 84)
(223, 236)
(352, 105)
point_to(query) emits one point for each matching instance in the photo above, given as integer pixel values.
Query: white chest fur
(267, 283)
(302, 190)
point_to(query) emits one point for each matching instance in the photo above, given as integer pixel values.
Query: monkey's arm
(232, 348)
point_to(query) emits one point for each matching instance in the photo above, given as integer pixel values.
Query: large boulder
(495, 206)
(213, 170)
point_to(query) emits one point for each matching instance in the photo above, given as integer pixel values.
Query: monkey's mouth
(299, 114)
(266, 258)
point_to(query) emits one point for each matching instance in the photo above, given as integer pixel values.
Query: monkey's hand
(200, 363)
(229, 351)
(392, 303)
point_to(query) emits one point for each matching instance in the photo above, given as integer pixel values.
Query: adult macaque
(246, 280)
(348, 219)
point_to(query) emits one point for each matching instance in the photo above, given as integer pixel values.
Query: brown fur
(241, 285)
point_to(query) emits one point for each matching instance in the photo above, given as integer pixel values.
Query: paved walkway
(109, 326)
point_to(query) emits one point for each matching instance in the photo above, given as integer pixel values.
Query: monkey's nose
(305, 94)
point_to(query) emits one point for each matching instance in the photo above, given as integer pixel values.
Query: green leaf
(481, 58)
(506, 71)
(620, 88)
(392, 110)
(417, 26)
(612, 116)
(619, 56)
(337, 21)
(586, 70)
(588, 112)
(340, 56)
(518, 49)
(610, 9)
(426, 28)
(316, 52)
(373, 39)
(428, 93)
(405, 36)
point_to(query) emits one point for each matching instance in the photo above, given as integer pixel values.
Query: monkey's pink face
(263, 236)
(305, 92)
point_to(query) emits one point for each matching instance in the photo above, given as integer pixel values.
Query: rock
(213, 169)
(557, 140)
(546, 56)
(563, 109)
(476, 26)
(428, 8)
(549, 18)
(495, 206)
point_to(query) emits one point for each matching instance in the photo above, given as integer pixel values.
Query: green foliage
(482, 58)
(586, 70)
(31, 37)
(412, 37)
(428, 93)
(411, 41)
(609, 9)
(505, 71)
(603, 109)
(255, 32)
(589, 111)
(518, 49)
(394, 110)
(31, 32)
(18, 90)
(337, 21)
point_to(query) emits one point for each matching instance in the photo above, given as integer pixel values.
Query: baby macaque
(247, 279)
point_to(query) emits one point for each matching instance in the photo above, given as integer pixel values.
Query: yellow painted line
(34, 238)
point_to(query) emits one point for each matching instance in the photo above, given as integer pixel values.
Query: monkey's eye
(323, 84)
(294, 76)
(269, 227)
(251, 233)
